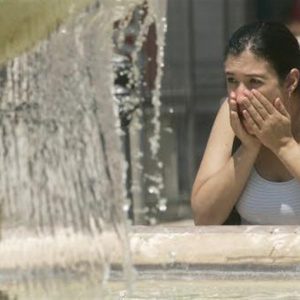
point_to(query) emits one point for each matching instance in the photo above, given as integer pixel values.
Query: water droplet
(162, 207)
(152, 221)
(126, 206)
(153, 189)
(162, 204)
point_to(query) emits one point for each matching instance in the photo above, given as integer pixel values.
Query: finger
(234, 119)
(257, 104)
(264, 101)
(233, 105)
(253, 113)
(249, 123)
(280, 107)
(232, 95)
(234, 115)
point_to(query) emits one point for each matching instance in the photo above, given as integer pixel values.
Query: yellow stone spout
(24, 22)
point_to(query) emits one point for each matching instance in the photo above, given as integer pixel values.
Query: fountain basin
(224, 245)
(160, 246)
(179, 261)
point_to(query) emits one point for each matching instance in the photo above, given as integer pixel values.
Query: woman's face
(246, 72)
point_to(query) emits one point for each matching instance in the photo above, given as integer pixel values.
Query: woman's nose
(240, 92)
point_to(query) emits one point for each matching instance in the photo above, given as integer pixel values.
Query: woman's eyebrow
(254, 74)
(263, 76)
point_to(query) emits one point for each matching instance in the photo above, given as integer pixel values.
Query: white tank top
(265, 202)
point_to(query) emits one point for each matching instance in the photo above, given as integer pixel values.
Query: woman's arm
(289, 154)
(221, 176)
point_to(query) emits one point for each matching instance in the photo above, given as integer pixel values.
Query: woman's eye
(256, 81)
(231, 80)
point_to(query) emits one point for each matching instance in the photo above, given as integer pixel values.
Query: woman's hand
(270, 123)
(241, 131)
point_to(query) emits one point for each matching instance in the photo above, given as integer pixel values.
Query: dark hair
(271, 41)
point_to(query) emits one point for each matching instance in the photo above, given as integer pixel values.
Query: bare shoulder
(219, 146)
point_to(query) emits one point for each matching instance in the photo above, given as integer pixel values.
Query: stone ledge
(159, 247)
(267, 245)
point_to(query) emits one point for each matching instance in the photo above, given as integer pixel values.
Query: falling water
(145, 168)
(62, 179)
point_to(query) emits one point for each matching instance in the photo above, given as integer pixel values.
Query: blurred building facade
(193, 83)
(193, 86)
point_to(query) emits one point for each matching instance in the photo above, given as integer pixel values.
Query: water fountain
(62, 182)
(64, 233)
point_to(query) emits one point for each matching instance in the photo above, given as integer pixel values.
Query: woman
(261, 179)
